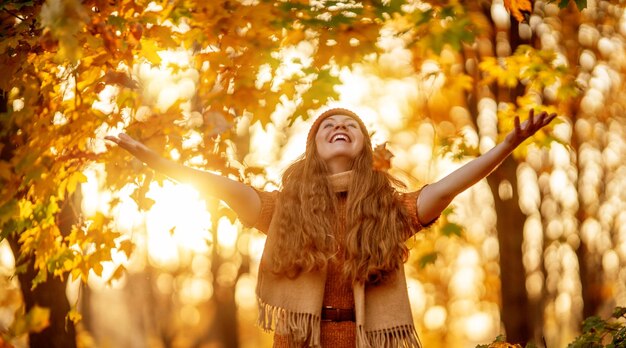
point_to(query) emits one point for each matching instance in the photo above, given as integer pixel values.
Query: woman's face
(339, 140)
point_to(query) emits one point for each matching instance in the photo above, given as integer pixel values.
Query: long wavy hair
(376, 223)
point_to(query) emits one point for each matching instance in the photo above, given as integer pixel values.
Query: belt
(330, 313)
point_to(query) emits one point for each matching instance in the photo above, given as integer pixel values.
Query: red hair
(376, 223)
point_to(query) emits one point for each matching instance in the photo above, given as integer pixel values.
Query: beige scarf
(293, 306)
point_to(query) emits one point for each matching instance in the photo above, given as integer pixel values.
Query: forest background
(98, 251)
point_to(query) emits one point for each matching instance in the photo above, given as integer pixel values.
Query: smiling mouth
(340, 137)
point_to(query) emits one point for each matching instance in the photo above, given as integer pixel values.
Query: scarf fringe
(300, 327)
(404, 336)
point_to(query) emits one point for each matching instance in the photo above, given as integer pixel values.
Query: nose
(340, 125)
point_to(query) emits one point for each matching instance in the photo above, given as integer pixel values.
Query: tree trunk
(589, 263)
(51, 293)
(590, 279)
(510, 225)
(518, 315)
(224, 327)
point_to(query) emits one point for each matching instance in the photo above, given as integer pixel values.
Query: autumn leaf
(136, 29)
(74, 180)
(581, 4)
(382, 158)
(504, 345)
(127, 247)
(65, 19)
(119, 78)
(162, 34)
(520, 9)
(228, 213)
(428, 259)
(232, 42)
(619, 312)
(149, 51)
(37, 319)
(451, 229)
(7, 211)
(117, 274)
(74, 316)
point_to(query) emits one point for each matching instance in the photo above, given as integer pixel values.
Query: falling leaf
(520, 9)
(382, 158)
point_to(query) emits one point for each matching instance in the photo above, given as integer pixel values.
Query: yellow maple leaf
(520, 9)
(149, 50)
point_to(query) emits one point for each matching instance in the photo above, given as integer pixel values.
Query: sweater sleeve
(409, 202)
(268, 203)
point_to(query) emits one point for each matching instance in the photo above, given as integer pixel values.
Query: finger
(518, 129)
(539, 122)
(113, 139)
(531, 119)
(124, 136)
(551, 117)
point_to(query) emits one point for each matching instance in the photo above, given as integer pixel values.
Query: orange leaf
(127, 246)
(520, 9)
(136, 29)
(382, 158)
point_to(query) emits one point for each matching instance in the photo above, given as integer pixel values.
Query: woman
(331, 273)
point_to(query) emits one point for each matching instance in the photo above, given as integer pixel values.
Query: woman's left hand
(529, 127)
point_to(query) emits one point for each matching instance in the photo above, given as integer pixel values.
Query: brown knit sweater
(337, 291)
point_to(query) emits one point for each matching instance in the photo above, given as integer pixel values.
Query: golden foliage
(520, 9)
(61, 58)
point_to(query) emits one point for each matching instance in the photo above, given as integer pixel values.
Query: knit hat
(332, 112)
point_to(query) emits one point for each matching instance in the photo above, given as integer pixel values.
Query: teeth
(339, 137)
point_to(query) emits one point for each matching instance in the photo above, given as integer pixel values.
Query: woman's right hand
(134, 147)
(240, 197)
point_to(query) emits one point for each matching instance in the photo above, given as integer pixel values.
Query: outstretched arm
(435, 197)
(239, 197)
